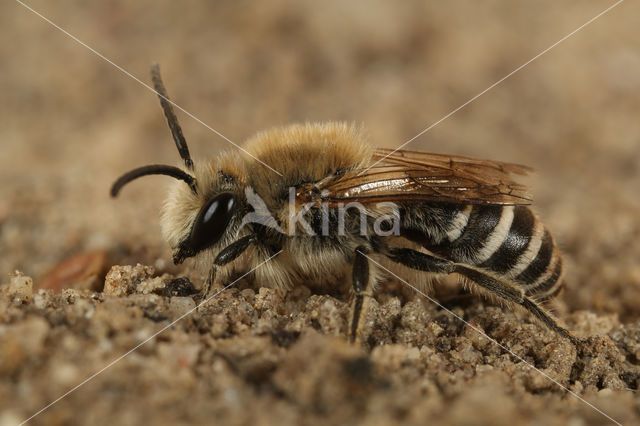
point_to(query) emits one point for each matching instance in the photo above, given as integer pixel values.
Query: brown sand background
(70, 123)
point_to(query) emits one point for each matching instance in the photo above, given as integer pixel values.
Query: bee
(341, 213)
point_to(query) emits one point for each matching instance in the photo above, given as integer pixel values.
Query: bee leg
(361, 289)
(226, 255)
(420, 261)
(233, 250)
(206, 288)
(547, 319)
(211, 276)
(515, 295)
(424, 262)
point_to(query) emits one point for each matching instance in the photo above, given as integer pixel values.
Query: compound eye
(212, 221)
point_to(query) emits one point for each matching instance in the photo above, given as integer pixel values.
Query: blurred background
(70, 122)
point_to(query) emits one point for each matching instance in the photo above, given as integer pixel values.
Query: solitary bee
(418, 215)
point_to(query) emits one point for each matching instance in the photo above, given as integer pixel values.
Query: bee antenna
(154, 169)
(176, 131)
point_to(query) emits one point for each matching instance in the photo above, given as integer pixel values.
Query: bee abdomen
(549, 284)
(481, 236)
(528, 256)
(515, 243)
(508, 241)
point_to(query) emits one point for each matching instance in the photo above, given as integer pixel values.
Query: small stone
(149, 286)
(605, 392)
(43, 299)
(181, 305)
(20, 287)
(413, 354)
(123, 280)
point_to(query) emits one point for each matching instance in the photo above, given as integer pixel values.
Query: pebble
(20, 287)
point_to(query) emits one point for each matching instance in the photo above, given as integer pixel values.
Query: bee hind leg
(424, 262)
(513, 294)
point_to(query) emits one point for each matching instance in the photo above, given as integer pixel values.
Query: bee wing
(419, 176)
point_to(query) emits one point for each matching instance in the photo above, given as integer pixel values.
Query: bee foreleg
(211, 276)
(233, 250)
(361, 289)
(424, 262)
(226, 255)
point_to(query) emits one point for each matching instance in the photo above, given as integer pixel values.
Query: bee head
(194, 222)
(198, 221)
(208, 227)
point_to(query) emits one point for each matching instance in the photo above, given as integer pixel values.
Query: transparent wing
(419, 176)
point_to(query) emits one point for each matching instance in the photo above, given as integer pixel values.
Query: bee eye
(211, 222)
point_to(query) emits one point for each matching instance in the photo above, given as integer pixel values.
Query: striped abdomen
(508, 241)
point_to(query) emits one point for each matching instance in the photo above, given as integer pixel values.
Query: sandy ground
(70, 123)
